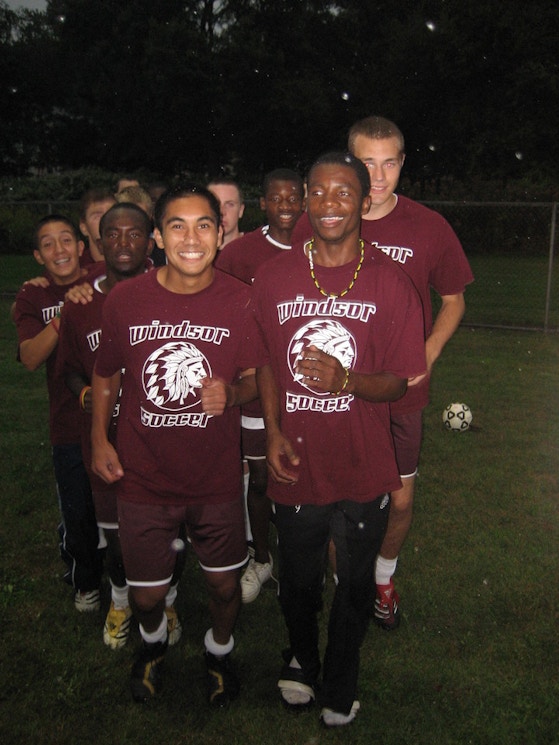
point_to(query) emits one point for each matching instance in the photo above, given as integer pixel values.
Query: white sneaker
(336, 719)
(86, 602)
(254, 577)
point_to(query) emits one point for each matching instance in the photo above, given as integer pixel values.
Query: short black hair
(185, 190)
(55, 218)
(336, 158)
(128, 207)
(283, 174)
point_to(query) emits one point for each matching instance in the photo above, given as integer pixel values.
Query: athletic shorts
(149, 532)
(407, 434)
(253, 438)
(106, 512)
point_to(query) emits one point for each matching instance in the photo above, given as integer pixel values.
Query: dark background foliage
(247, 85)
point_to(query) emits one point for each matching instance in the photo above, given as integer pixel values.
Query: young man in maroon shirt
(182, 333)
(125, 243)
(282, 201)
(424, 245)
(37, 317)
(341, 334)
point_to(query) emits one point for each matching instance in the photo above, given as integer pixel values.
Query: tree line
(243, 86)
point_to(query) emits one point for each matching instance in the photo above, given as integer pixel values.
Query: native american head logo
(172, 374)
(327, 335)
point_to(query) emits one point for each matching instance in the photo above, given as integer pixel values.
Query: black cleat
(146, 677)
(223, 684)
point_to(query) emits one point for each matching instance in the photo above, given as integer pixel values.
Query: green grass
(510, 290)
(476, 657)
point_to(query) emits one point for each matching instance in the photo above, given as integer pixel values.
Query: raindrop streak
(430, 25)
(345, 96)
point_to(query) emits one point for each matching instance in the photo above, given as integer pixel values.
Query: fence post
(550, 266)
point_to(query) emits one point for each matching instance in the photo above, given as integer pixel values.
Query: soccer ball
(457, 417)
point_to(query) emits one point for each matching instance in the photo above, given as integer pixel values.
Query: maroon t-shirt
(424, 245)
(35, 307)
(242, 258)
(169, 449)
(80, 334)
(245, 255)
(376, 327)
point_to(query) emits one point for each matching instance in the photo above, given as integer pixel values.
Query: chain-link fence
(510, 245)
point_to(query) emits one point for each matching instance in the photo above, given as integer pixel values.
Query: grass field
(475, 660)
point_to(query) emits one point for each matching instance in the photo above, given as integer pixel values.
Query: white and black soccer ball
(457, 417)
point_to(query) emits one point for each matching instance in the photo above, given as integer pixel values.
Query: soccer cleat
(147, 672)
(174, 627)
(254, 577)
(387, 614)
(87, 602)
(223, 684)
(117, 627)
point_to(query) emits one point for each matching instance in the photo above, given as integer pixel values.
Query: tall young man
(424, 245)
(282, 201)
(37, 317)
(232, 207)
(341, 330)
(185, 348)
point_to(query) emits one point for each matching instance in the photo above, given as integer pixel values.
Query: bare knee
(223, 587)
(145, 599)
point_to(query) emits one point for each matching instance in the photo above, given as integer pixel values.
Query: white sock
(384, 570)
(159, 635)
(119, 596)
(171, 595)
(218, 650)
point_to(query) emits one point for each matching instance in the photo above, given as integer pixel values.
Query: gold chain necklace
(308, 248)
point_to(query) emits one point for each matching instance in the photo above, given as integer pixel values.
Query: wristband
(82, 396)
(346, 381)
(55, 323)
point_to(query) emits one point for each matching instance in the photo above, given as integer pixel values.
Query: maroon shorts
(104, 499)
(406, 433)
(149, 533)
(253, 439)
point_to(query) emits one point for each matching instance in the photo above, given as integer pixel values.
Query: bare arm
(447, 321)
(33, 352)
(104, 394)
(79, 387)
(278, 446)
(326, 373)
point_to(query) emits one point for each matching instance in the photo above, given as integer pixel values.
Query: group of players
(303, 348)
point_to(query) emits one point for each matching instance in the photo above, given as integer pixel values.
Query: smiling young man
(183, 334)
(283, 202)
(125, 242)
(424, 245)
(37, 317)
(341, 331)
